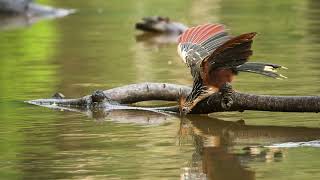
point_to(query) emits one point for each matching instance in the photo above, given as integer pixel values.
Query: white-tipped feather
(190, 41)
(269, 68)
(285, 77)
(182, 53)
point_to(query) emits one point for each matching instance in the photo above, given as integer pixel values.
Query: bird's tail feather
(266, 69)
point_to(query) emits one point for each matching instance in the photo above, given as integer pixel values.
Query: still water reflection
(97, 49)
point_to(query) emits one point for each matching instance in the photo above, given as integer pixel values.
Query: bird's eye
(184, 109)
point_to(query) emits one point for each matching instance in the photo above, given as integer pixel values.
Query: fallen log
(14, 6)
(171, 92)
(31, 9)
(19, 13)
(243, 101)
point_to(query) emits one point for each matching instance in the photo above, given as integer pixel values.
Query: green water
(96, 49)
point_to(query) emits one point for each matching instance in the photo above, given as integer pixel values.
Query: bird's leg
(226, 92)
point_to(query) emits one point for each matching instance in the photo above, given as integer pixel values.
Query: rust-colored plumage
(214, 58)
(217, 68)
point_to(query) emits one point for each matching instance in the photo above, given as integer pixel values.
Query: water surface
(96, 48)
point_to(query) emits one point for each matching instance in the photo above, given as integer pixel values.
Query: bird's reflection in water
(211, 158)
(215, 141)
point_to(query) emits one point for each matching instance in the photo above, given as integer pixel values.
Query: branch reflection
(223, 149)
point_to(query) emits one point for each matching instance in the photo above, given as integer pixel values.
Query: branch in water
(243, 101)
(126, 94)
(171, 92)
(147, 91)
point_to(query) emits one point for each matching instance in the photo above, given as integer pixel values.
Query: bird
(215, 57)
(159, 24)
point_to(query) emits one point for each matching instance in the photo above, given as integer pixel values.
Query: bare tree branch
(171, 92)
(243, 101)
(147, 91)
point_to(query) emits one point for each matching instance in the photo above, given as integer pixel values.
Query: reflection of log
(171, 92)
(212, 157)
(133, 116)
(237, 132)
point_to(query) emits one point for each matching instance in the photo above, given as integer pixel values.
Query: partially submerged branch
(243, 101)
(19, 13)
(14, 6)
(171, 92)
(126, 95)
(147, 91)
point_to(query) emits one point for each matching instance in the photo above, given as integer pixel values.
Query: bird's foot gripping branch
(120, 97)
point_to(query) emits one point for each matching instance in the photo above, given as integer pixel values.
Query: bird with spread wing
(214, 58)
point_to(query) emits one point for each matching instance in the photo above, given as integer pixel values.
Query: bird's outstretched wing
(229, 55)
(197, 43)
(205, 48)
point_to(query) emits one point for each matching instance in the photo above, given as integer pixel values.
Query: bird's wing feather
(230, 54)
(196, 43)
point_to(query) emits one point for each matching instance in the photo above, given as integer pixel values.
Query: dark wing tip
(248, 36)
(253, 34)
